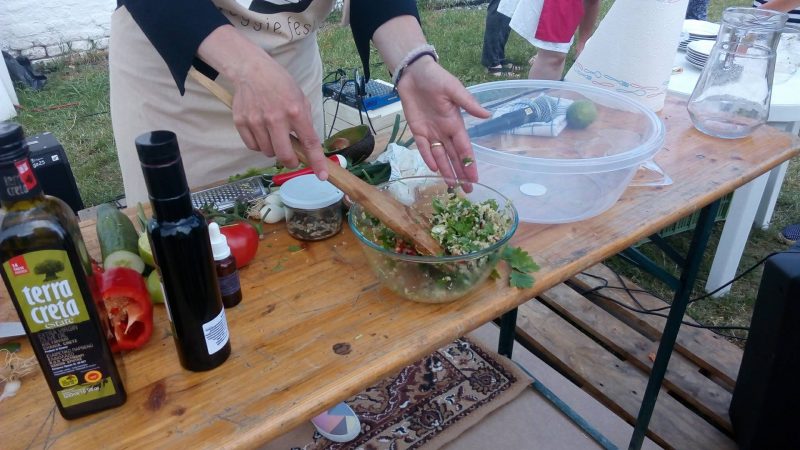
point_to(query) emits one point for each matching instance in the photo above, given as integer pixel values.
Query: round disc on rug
(338, 424)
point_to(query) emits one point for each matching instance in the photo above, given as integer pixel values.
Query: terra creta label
(44, 284)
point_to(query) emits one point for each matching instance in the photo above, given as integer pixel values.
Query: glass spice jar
(313, 208)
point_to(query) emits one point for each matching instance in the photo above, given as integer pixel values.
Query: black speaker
(764, 408)
(52, 169)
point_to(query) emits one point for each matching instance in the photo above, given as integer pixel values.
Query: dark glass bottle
(48, 272)
(179, 238)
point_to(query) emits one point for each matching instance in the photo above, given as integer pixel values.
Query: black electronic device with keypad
(375, 93)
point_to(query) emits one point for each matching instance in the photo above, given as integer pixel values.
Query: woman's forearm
(396, 38)
(230, 53)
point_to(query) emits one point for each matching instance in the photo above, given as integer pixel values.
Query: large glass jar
(733, 94)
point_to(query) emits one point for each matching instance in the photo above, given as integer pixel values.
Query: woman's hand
(267, 103)
(432, 100)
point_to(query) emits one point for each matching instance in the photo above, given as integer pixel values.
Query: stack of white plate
(697, 30)
(697, 52)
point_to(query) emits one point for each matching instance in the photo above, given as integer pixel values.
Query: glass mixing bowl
(432, 279)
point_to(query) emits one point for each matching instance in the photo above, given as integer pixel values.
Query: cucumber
(116, 233)
(124, 258)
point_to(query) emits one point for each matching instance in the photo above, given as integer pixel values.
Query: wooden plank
(617, 384)
(683, 378)
(703, 347)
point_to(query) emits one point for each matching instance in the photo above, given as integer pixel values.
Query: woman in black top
(265, 53)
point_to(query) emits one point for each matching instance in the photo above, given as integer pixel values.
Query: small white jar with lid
(313, 208)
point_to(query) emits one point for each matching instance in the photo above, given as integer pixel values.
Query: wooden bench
(608, 350)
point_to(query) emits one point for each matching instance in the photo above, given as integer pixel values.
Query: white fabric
(404, 163)
(8, 97)
(524, 16)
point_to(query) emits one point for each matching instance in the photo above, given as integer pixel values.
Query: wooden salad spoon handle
(400, 218)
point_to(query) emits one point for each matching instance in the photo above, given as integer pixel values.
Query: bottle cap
(219, 243)
(157, 147)
(12, 141)
(162, 166)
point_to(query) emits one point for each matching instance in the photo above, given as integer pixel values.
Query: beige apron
(144, 96)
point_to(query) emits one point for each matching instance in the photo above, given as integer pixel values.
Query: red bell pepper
(280, 178)
(128, 306)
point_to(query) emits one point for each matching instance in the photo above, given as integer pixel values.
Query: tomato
(128, 306)
(243, 241)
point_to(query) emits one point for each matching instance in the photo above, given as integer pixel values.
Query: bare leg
(547, 65)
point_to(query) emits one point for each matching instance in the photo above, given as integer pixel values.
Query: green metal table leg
(676, 312)
(508, 328)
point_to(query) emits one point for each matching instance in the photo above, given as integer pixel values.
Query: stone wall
(46, 29)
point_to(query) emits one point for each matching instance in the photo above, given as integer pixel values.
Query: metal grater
(224, 197)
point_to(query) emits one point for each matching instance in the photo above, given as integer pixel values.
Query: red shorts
(559, 20)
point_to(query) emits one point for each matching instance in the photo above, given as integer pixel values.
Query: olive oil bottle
(179, 238)
(48, 273)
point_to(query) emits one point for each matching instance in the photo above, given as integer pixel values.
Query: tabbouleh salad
(461, 227)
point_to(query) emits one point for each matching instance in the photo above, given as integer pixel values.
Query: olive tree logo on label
(49, 268)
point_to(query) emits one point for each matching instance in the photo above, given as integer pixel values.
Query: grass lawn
(74, 106)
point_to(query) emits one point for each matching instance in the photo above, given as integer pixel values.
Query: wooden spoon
(398, 217)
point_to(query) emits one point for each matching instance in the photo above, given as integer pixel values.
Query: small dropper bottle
(227, 275)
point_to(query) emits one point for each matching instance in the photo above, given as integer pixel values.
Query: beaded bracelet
(411, 57)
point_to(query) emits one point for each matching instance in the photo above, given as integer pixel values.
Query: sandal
(511, 67)
(501, 71)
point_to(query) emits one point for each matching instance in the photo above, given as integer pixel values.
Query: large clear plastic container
(563, 175)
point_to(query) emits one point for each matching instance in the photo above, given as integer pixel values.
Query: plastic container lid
(557, 162)
(308, 192)
(625, 132)
(219, 242)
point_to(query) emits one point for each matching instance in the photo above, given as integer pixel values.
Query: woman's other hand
(432, 102)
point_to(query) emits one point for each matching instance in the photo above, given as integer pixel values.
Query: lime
(154, 287)
(144, 250)
(581, 114)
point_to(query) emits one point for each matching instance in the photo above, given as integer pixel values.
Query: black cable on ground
(657, 311)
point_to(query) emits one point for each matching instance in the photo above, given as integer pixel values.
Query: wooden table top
(299, 305)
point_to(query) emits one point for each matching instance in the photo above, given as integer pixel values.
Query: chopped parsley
(521, 265)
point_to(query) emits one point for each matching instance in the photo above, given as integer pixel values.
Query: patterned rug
(432, 401)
